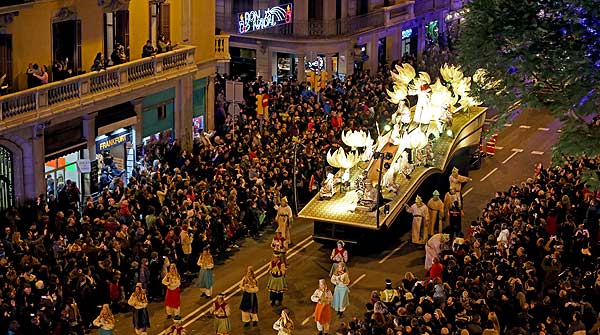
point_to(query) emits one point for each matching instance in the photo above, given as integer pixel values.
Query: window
(362, 7)
(116, 30)
(160, 21)
(315, 9)
(5, 62)
(7, 195)
(240, 6)
(66, 43)
(161, 112)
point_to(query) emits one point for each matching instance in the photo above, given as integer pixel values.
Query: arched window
(7, 192)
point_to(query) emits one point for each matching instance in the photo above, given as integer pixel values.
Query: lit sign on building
(406, 33)
(264, 18)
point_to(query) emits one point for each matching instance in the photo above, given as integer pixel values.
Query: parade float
(375, 178)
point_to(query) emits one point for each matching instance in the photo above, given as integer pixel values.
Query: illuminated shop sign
(264, 18)
(109, 142)
(406, 33)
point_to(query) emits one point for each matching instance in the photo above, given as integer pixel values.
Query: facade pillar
(183, 112)
(138, 107)
(300, 75)
(421, 35)
(38, 160)
(89, 133)
(210, 103)
(328, 17)
(300, 17)
(373, 47)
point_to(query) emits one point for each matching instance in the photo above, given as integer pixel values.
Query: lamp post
(382, 157)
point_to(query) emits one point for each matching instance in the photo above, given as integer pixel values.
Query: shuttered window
(5, 61)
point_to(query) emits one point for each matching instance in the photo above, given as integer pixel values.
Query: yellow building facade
(52, 132)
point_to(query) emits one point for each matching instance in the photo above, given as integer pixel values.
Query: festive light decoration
(343, 160)
(264, 18)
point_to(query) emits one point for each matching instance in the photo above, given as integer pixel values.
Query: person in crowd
(390, 296)
(341, 280)
(139, 301)
(249, 304)
(148, 50)
(221, 313)
(172, 281)
(105, 321)
(206, 278)
(284, 220)
(277, 284)
(323, 297)
(339, 254)
(284, 325)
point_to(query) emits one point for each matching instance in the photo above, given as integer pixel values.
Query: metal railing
(44, 100)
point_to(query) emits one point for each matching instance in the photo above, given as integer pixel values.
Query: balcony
(426, 6)
(222, 48)
(47, 101)
(399, 13)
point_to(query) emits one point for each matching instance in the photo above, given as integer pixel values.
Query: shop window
(7, 196)
(116, 31)
(5, 62)
(160, 21)
(59, 170)
(161, 112)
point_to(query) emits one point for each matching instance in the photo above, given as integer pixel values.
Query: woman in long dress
(339, 254)
(139, 301)
(206, 278)
(284, 220)
(284, 325)
(277, 284)
(323, 297)
(341, 280)
(249, 304)
(221, 312)
(434, 247)
(172, 281)
(106, 321)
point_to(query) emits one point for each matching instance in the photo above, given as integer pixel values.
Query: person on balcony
(118, 55)
(148, 50)
(99, 62)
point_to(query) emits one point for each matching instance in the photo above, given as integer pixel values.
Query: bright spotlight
(387, 127)
(449, 133)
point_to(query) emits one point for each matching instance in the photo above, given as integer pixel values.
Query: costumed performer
(323, 297)
(341, 280)
(172, 281)
(221, 312)
(284, 220)
(176, 328)
(106, 321)
(284, 325)
(436, 214)
(456, 180)
(277, 284)
(249, 304)
(420, 214)
(139, 301)
(434, 247)
(390, 296)
(339, 254)
(206, 279)
(279, 245)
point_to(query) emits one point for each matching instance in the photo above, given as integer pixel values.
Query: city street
(528, 140)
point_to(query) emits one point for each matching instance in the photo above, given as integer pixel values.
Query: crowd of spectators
(527, 265)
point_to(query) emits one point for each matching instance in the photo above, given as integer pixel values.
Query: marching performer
(284, 220)
(277, 284)
(139, 301)
(249, 304)
(206, 278)
(221, 312)
(434, 247)
(284, 325)
(279, 245)
(341, 280)
(177, 327)
(172, 281)
(106, 321)
(339, 254)
(420, 214)
(323, 298)
(436, 214)
(456, 180)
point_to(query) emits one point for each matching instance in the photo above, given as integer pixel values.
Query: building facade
(337, 36)
(89, 117)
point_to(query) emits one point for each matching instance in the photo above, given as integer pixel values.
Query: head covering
(436, 193)
(340, 242)
(454, 170)
(445, 237)
(284, 200)
(138, 285)
(409, 296)
(388, 282)
(177, 318)
(418, 199)
(221, 295)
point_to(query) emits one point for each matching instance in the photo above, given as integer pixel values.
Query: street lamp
(382, 157)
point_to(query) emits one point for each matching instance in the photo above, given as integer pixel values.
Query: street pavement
(525, 142)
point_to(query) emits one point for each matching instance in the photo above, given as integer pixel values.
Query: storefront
(242, 63)
(7, 192)
(431, 33)
(158, 118)
(64, 145)
(115, 144)
(286, 66)
(409, 41)
(199, 115)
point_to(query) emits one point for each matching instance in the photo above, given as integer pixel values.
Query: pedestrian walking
(106, 321)
(284, 220)
(249, 304)
(221, 312)
(284, 325)
(323, 297)
(172, 281)
(420, 221)
(341, 280)
(139, 301)
(206, 278)
(277, 284)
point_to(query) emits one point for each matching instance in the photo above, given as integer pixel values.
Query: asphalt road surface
(520, 145)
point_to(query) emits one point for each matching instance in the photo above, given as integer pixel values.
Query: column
(373, 61)
(183, 112)
(138, 106)
(186, 21)
(300, 17)
(420, 37)
(210, 103)
(89, 133)
(329, 26)
(300, 75)
(38, 161)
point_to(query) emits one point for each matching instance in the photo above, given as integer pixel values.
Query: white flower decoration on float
(356, 139)
(341, 159)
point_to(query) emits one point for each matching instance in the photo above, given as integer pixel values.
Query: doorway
(116, 31)
(66, 42)
(7, 195)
